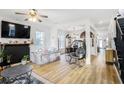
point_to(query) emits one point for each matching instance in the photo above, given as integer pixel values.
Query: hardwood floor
(60, 72)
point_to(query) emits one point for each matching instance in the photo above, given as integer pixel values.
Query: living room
(61, 46)
(58, 46)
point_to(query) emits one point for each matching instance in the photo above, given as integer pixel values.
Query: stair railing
(119, 27)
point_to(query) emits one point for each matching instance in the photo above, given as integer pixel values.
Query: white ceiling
(99, 17)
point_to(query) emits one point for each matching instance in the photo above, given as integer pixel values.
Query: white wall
(109, 33)
(112, 30)
(63, 27)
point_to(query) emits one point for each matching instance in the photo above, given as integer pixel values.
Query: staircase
(119, 43)
(121, 24)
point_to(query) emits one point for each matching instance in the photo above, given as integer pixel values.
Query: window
(40, 39)
(61, 42)
(61, 37)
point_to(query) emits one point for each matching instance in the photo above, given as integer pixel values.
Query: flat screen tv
(14, 30)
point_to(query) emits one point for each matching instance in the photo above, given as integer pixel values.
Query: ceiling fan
(32, 15)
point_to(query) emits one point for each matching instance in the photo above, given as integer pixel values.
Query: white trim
(118, 75)
(120, 17)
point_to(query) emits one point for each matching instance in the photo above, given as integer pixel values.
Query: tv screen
(14, 30)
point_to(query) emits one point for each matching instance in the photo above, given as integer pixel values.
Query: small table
(14, 73)
(109, 55)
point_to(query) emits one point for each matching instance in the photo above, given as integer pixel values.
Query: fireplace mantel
(6, 41)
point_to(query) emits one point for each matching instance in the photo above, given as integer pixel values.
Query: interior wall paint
(112, 30)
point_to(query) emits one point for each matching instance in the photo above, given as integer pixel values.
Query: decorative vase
(23, 62)
(8, 61)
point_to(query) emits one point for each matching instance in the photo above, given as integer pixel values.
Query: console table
(109, 55)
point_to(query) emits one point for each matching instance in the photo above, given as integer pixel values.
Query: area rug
(33, 80)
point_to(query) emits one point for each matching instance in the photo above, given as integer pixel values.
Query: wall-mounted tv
(14, 30)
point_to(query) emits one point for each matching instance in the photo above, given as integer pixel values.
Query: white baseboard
(45, 81)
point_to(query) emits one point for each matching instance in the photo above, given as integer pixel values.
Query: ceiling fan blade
(26, 19)
(39, 20)
(20, 13)
(43, 16)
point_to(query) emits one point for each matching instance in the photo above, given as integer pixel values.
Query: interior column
(88, 45)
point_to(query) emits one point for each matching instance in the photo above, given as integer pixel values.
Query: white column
(88, 45)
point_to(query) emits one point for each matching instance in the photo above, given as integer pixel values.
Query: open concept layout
(61, 46)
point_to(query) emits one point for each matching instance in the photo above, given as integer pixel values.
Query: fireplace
(16, 53)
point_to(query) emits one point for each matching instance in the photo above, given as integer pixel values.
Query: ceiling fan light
(33, 19)
(33, 15)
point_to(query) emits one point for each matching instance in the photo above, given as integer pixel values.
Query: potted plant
(25, 59)
(1, 55)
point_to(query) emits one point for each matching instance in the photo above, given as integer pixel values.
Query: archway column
(88, 45)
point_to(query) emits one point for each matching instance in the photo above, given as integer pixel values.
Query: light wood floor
(61, 72)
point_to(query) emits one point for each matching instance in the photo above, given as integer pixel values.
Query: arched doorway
(83, 35)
